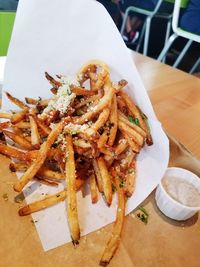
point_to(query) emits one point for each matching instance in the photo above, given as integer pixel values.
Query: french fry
(130, 182)
(16, 101)
(5, 115)
(121, 105)
(103, 139)
(137, 128)
(91, 67)
(114, 241)
(133, 108)
(35, 137)
(48, 201)
(121, 84)
(4, 125)
(139, 139)
(101, 80)
(149, 139)
(80, 91)
(82, 143)
(18, 140)
(130, 157)
(55, 175)
(13, 152)
(32, 101)
(106, 180)
(113, 121)
(71, 196)
(42, 204)
(23, 125)
(20, 132)
(42, 172)
(52, 81)
(104, 102)
(87, 100)
(134, 146)
(54, 90)
(19, 116)
(93, 188)
(45, 181)
(103, 117)
(45, 129)
(53, 115)
(107, 152)
(109, 160)
(122, 145)
(98, 175)
(42, 153)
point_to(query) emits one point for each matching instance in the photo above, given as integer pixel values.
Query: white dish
(167, 204)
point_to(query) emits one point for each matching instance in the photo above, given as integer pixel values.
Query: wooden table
(175, 96)
(162, 242)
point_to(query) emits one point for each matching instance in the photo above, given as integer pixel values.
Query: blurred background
(151, 23)
(166, 30)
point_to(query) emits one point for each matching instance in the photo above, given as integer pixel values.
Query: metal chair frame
(145, 32)
(178, 32)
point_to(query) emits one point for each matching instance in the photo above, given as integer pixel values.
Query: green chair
(178, 32)
(6, 25)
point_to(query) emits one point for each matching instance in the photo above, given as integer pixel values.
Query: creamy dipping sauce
(182, 191)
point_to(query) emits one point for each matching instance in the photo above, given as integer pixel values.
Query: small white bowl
(168, 205)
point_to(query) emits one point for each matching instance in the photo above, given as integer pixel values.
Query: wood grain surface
(175, 96)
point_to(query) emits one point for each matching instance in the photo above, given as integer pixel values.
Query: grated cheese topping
(64, 97)
(76, 127)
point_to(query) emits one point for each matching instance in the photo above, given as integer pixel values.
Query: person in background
(114, 11)
(10, 5)
(135, 20)
(190, 19)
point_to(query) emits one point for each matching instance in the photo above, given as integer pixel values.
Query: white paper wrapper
(59, 37)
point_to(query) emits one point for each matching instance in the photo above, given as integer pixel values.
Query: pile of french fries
(89, 131)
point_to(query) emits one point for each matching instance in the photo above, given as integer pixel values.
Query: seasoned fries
(106, 180)
(42, 153)
(71, 196)
(89, 131)
(113, 242)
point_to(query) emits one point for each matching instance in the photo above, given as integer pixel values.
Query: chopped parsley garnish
(122, 182)
(73, 132)
(130, 171)
(44, 138)
(110, 125)
(5, 196)
(143, 215)
(32, 221)
(55, 144)
(134, 120)
(113, 188)
(80, 112)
